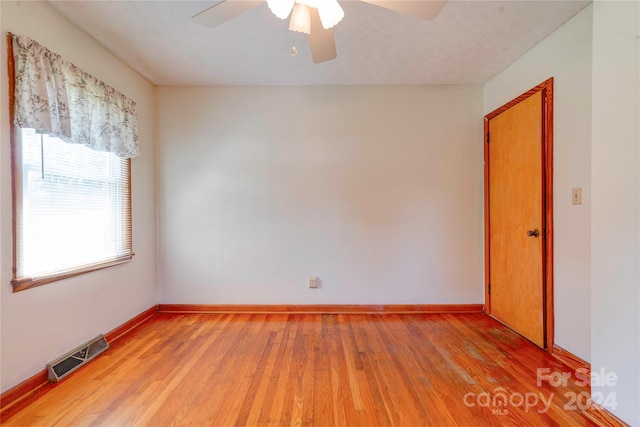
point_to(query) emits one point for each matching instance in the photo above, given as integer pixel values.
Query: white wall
(375, 190)
(40, 324)
(566, 56)
(615, 231)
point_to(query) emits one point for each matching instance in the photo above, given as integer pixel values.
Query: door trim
(546, 89)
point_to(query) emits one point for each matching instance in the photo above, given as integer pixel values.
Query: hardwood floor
(312, 370)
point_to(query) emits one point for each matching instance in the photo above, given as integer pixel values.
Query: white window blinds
(74, 207)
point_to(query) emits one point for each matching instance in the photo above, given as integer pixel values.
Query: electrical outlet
(313, 282)
(576, 196)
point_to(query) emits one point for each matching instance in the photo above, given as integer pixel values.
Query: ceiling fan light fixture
(281, 8)
(330, 13)
(300, 19)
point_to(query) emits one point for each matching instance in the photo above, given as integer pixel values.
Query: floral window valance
(55, 97)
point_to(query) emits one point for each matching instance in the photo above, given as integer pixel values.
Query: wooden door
(516, 199)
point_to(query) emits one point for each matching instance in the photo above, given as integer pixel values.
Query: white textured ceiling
(468, 43)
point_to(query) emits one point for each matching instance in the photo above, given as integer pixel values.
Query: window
(72, 141)
(73, 209)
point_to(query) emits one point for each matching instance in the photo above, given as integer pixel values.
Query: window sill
(32, 282)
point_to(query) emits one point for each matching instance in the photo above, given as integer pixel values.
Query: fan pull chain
(42, 154)
(294, 50)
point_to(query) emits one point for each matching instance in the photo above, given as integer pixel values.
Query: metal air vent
(71, 361)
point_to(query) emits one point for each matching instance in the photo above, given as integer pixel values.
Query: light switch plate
(576, 196)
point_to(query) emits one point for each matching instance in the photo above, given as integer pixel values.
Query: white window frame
(22, 283)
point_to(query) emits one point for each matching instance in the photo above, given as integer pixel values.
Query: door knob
(533, 233)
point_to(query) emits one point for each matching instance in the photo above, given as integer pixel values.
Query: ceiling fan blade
(423, 9)
(321, 41)
(224, 10)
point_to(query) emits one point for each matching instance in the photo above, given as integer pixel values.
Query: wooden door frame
(546, 89)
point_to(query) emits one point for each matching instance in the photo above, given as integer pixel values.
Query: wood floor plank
(298, 369)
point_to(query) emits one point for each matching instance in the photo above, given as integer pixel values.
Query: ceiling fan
(316, 18)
